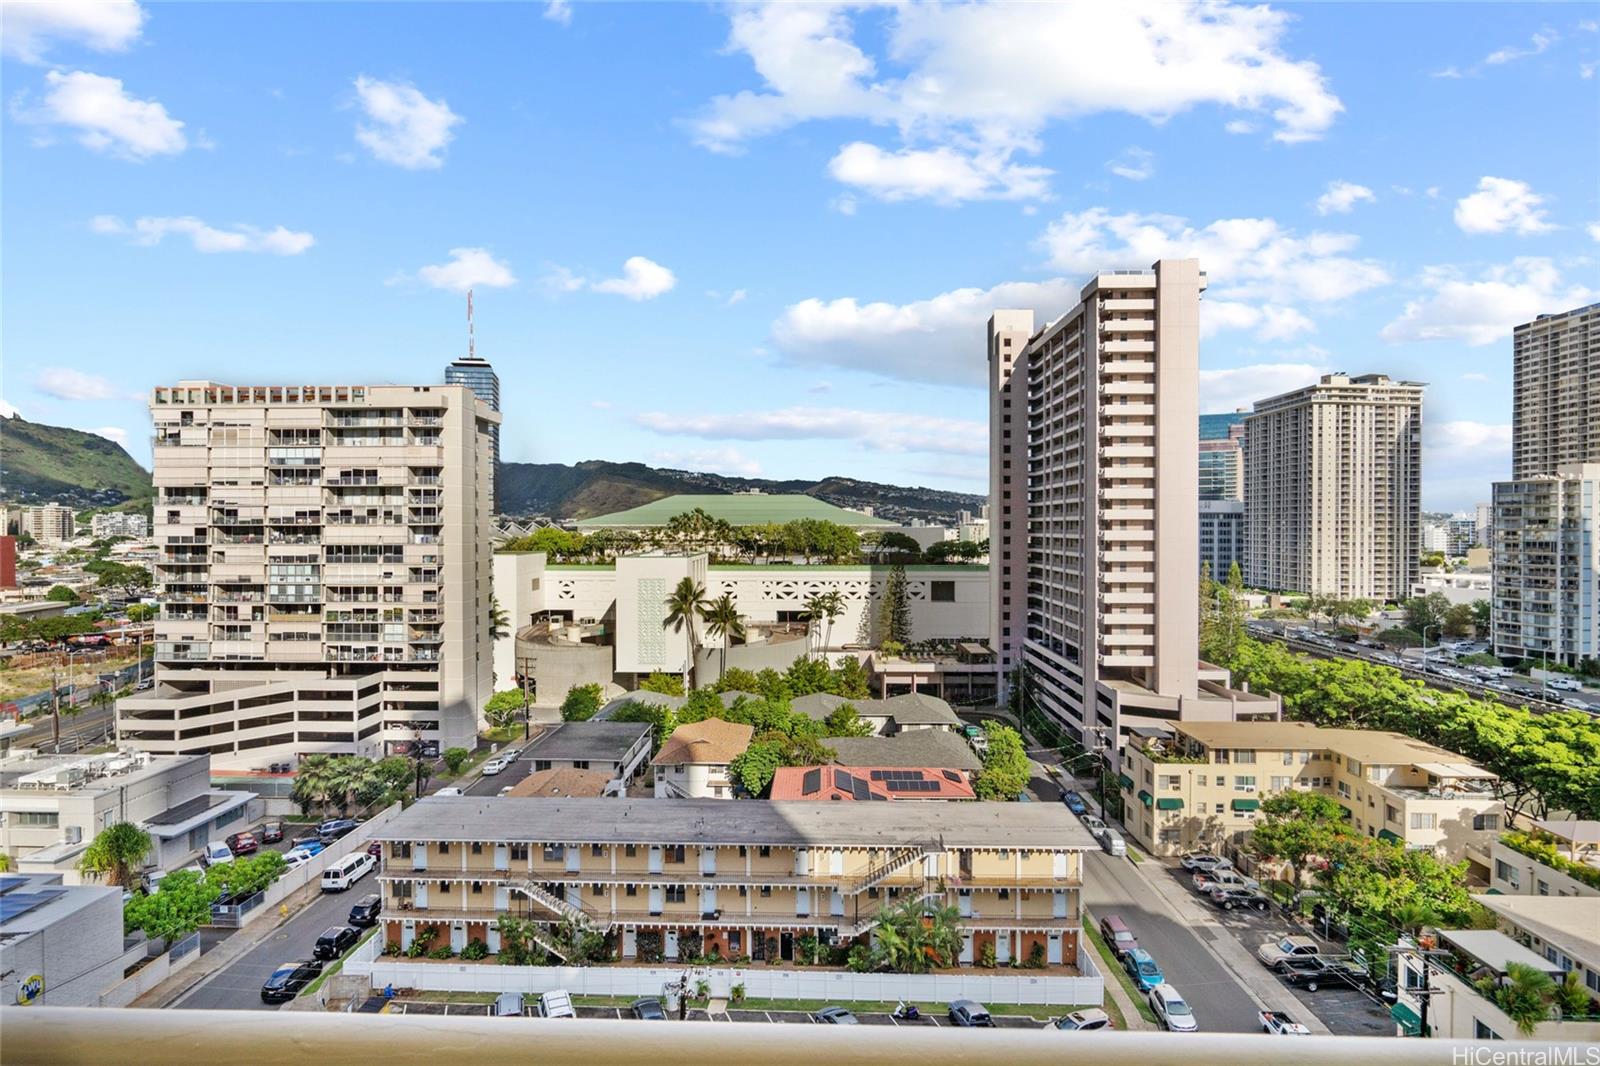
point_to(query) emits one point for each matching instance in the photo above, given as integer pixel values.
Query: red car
(375, 849)
(243, 843)
(272, 833)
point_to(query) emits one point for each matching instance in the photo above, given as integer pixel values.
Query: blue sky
(764, 240)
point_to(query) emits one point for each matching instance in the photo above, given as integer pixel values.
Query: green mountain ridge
(40, 463)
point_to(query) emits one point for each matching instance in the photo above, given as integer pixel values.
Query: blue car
(1074, 802)
(1143, 969)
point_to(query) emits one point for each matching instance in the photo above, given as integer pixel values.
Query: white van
(216, 852)
(342, 873)
(1564, 684)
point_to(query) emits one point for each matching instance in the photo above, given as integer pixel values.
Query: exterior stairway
(555, 904)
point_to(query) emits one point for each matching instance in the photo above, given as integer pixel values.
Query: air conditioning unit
(73, 834)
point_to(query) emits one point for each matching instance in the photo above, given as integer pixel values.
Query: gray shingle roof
(922, 747)
(588, 741)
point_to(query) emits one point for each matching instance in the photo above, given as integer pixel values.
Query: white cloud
(205, 238)
(1242, 386)
(559, 11)
(7, 410)
(1342, 197)
(845, 205)
(1484, 310)
(65, 383)
(642, 279)
(27, 30)
(1270, 323)
(600, 405)
(1243, 256)
(939, 339)
(558, 279)
(874, 430)
(709, 460)
(405, 127)
(967, 80)
(735, 297)
(1239, 126)
(1538, 43)
(944, 175)
(1502, 204)
(1475, 377)
(1586, 70)
(468, 268)
(1135, 164)
(112, 433)
(105, 117)
(1462, 457)
(1594, 231)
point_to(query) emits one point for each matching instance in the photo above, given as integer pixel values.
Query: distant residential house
(869, 783)
(693, 763)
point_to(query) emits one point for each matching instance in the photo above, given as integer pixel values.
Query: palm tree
(314, 782)
(116, 851)
(685, 604)
(815, 610)
(723, 621)
(1412, 915)
(498, 619)
(832, 607)
(1525, 993)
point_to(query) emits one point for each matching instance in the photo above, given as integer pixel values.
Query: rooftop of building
(562, 781)
(33, 774)
(741, 509)
(911, 708)
(588, 741)
(1363, 745)
(1494, 949)
(1571, 830)
(31, 902)
(869, 783)
(938, 748)
(733, 823)
(1571, 923)
(710, 741)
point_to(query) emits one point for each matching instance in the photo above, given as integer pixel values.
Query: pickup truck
(1273, 955)
(1314, 973)
(1229, 878)
(1278, 1023)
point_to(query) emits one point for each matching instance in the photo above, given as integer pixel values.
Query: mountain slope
(40, 463)
(595, 487)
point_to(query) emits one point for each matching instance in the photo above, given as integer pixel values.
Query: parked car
(243, 844)
(1112, 842)
(1171, 1010)
(835, 1016)
(309, 844)
(272, 833)
(364, 913)
(1564, 684)
(556, 1003)
(492, 767)
(294, 857)
(648, 1009)
(288, 980)
(1231, 897)
(1141, 966)
(1082, 1021)
(330, 831)
(346, 870)
(1290, 947)
(507, 1005)
(1314, 973)
(1074, 802)
(970, 1014)
(335, 941)
(1119, 938)
(1278, 1023)
(375, 849)
(216, 852)
(1202, 860)
(1221, 879)
(1092, 824)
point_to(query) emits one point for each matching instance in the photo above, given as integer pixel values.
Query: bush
(1036, 956)
(455, 759)
(581, 703)
(860, 959)
(736, 993)
(475, 950)
(441, 952)
(772, 951)
(986, 957)
(702, 989)
(391, 949)
(665, 684)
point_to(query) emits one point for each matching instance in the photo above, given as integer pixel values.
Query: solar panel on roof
(859, 789)
(811, 782)
(8, 883)
(14, 904)
(843, 781)
(951, 776)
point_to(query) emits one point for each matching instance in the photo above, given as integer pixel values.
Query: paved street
(491, 786)
(238, 985)
(89, 723)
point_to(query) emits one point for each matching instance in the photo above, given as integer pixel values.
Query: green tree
(1525, 994)
(894, 611)
(665, 684)
(1459, 620)
(315, 783)
(504, 707)
(735, 679)
(559, 544)
(899, 547)
(129, 582)
(851, 680)
(142, 612)
(582, 702)
(1005, 770)
(813, 612)
(723, 623)
(178, 908)
(1425, 613)
(754, 767)
(686, 604)
(455, 759)
(915, 937)
(62, 594)
(843, 721)
(245, 877)
(807, 675)
(1481, 611)
(661, 719)
(118, 852)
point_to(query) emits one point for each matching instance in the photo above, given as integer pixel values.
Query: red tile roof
(869, 783)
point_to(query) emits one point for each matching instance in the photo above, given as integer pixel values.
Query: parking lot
(1345, 1011)
(733, 1014)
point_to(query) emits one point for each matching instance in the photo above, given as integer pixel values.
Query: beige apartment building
(670, 880)
(1333, 480)
(1200, 785)
(47, 523)
(324, 571)
(1556, 367)
(1094, 505)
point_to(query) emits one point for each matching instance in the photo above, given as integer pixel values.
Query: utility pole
(55, 708)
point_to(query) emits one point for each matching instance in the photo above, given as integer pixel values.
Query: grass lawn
(338, 964)
(1110, 964)
(1028, 1010)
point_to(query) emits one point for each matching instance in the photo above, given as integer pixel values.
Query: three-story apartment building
(688, 877)
(324, 571)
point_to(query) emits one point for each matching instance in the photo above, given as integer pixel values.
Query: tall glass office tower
(476, 374)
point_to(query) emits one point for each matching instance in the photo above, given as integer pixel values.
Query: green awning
(1391, 837)
(1247, 805)
(1127, 782)
(1169, 803)
(1406, 1018)
(1145, 797)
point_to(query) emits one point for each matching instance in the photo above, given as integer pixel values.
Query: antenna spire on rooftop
(472, 344)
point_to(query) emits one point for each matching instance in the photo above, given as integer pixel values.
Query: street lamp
(1425, 646)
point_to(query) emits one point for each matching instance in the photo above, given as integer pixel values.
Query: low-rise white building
(60, 945)
(119, 524)
(693, 763)
(51, 807)
(1573, 869)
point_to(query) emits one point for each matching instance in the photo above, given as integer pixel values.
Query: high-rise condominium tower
(324, 571)
(1555, 413)
(1333, 478)
(476, 374)
(1093, 504)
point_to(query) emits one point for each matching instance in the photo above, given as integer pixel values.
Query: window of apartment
(1281, 783)
(477, 848)
(597, 890)
(554, 852)
(1344, 790)
(597, 850)
(673, 852)
(1541, 887)
(1200, 779)
(764, 852)
(676, 894)
(477, 888)
(519, 851)
(1171, 781)
(630, 850)
(444, 847)
(942, 591)
(1219, 808)
(631, 890)
(1486, 821)
(1390, 814)
(1420, 820)
(1244, 758)
(36, 819)
(766, 891)
(1507, 873)
(1244, 783)
(1483, 1032)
